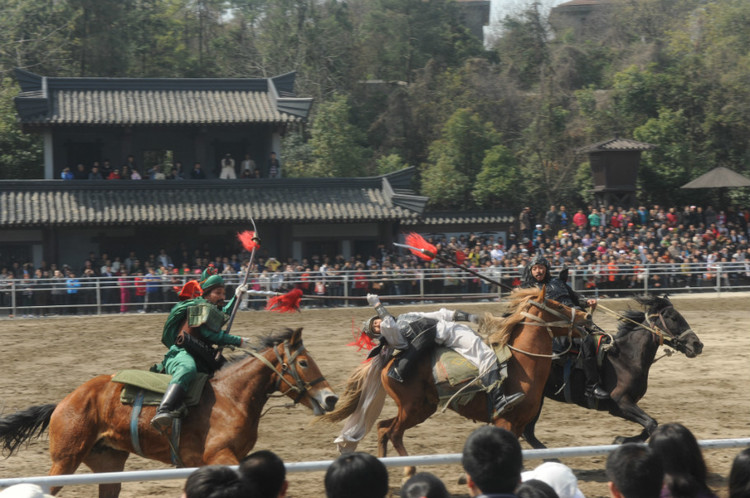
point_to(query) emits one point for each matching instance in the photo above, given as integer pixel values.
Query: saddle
(560, 344)
(453, 373)
(142, 388)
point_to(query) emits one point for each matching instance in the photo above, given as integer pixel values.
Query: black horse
(624, 370)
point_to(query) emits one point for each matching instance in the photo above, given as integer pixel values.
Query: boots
(169, 407)
(402, 364)
(591, 371)
(500, 402)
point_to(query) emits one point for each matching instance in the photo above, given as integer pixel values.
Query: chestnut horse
(92, 426)
(528, 330)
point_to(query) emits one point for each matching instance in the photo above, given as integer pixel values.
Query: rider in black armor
(536, 274)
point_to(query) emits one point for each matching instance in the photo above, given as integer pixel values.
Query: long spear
(250, 241)
(424, 250)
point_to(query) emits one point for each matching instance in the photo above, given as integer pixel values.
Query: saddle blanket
(155, 385)
(452, 373)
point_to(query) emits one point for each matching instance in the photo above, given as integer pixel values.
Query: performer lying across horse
(192, 328)
(537, 274)
(406, 338)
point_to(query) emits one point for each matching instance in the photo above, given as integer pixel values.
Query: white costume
(456, 336)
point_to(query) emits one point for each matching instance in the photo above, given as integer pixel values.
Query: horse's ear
(564, 274)
(296, 336)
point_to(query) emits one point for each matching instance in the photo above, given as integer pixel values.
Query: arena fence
(33, 297)
(47, 482)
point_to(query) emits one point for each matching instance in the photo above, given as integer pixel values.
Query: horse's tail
(349, 400)
(19, 427)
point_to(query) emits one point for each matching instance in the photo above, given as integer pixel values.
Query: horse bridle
(564, 322)
(660, 331)
(300, 387)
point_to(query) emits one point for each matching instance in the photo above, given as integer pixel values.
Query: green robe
(178, 362)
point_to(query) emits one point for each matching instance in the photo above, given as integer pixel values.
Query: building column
(276, 147)
(49, 155)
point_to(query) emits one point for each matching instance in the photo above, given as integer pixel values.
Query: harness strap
(134, 416)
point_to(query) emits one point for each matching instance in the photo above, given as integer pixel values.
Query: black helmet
(527, 279)
(367, 327)
(538, 259)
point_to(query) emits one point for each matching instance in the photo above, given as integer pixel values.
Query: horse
(528, 331)
(625, 367)
(91, 426)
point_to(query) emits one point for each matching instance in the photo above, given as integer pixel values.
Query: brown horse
(91, 425)
(528, 330)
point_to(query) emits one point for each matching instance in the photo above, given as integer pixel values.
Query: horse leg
(628, 410)
(528, 431)
(393, 430)
(105, 459)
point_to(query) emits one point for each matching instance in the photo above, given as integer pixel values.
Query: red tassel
(363, 342)
(286, 303)
(460, 257)
(427, 251)
(190, 290)
(249, 240)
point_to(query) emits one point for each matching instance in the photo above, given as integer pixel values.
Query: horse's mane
(498, 329)
(627, 326)
(267, 341)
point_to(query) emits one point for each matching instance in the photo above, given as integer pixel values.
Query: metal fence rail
(47, 482)
(31, 297)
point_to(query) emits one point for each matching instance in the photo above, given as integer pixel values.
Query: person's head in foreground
(492, 460)
(216, 481)
(682, 459)
(356, 475)
(424, 485)
(266, 471)
(739, 476)
(557, 475)
(634, 472)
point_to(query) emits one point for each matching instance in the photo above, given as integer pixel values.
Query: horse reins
(539, 322)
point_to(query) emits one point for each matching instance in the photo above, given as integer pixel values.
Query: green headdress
(210, 279)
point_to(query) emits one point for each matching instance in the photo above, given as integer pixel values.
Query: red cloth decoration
(425, 250)
(286, 303)
(190, 290)
(249, 240)
(363, 342)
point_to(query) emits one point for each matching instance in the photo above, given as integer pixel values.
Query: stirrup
(596, 392)
(395, 375)
(163, 420)
(507, 403)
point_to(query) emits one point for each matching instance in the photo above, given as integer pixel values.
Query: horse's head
(300, 378)
(661, 315)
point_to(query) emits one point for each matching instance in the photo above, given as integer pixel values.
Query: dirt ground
(44, 359)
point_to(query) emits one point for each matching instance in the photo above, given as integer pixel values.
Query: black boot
(403, 359)
(169, 407)
(591, 371)
(500, 402)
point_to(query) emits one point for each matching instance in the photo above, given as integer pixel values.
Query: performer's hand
(591, 303)
(241, 289)
(245, 343)
(373, 300)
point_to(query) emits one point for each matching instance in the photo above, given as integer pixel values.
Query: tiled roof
(157, 101)
(156, 202)
(617, 144)
(451, 218)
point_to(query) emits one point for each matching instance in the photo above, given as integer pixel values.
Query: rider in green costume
(202, 318)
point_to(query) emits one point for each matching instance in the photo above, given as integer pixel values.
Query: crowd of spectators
(227, 169)
(610, 252)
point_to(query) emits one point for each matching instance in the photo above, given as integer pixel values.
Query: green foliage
(446, 187)
(20, 153)
(498, 184)
(389, 164)
(337, 145)
(297, 154)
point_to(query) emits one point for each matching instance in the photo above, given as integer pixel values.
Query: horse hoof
(461, 480)
(619, 440)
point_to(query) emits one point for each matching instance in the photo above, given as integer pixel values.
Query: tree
(498, 184)
(337, 145)
(20, 154)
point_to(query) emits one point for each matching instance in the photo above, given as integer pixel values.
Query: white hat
(24, 490)
(558, 476)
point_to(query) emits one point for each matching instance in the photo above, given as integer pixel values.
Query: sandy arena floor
(45, 359)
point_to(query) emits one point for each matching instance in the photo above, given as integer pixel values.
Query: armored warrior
(537, 274)
(192, 328)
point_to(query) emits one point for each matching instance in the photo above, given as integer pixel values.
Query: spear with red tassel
(424, 250)
(250, 241)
